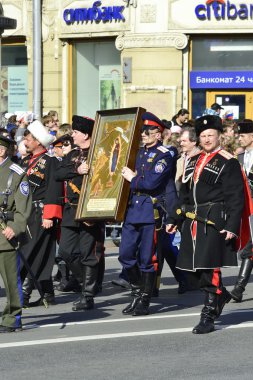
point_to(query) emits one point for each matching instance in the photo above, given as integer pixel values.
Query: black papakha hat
(245, 127)
(208, 122)
(150, 120)
(4, 141)
(82, 124)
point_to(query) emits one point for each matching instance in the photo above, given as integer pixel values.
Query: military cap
(82, 124)
(61, 140)
(245, 127)
(5, 141)
(40, 133)
(216, 106)
(208, 122)
(150, 120)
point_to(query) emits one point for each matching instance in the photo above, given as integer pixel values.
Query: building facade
(158, 54)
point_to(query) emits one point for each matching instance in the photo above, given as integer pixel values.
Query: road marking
(130, 319)
(114, 336)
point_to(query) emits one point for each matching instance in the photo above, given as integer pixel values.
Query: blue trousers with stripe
(137, 246)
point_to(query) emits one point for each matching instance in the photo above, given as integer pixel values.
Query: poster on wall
(109, 86)
(17, 88)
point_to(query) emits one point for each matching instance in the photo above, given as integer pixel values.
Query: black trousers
(83, 245)
(209, 280)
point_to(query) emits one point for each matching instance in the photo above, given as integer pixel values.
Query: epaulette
(226, 154)
(17, 169)
(162, 149)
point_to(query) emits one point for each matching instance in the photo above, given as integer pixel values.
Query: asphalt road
(103, 344)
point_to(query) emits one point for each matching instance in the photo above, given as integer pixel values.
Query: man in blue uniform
(144, 215)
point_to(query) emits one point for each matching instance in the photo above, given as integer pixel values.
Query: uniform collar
(153, 147)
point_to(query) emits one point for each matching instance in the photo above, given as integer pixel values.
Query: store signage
(223, 10)
(221, 79)
(95, 13)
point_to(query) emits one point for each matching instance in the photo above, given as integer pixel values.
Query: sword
(193, 216)
(15, 245)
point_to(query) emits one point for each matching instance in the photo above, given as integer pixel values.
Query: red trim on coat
(52, 211)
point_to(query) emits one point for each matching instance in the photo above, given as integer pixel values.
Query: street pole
(37, 64)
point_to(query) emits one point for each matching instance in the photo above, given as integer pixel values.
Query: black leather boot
(242, 280)
(208, 315)
(100, 277)
(27, 289)
(148, 281)
(223, 298)
(134, 276)
(86, 301)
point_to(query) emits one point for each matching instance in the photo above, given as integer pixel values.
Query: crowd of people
(187, 195)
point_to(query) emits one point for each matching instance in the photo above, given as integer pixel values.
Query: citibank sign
(223, 10)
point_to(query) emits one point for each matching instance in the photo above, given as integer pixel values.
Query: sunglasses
(148, 131)
(66, 143)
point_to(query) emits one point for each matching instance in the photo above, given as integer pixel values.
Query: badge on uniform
(24, 188)
(160, 166)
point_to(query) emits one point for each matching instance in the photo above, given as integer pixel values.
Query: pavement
(104, 344)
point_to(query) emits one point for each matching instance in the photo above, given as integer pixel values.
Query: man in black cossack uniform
(245, 130)
(39, 250)
(81, 244)
(214, 191)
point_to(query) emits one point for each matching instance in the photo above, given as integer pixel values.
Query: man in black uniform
(213, 190)
(245, 130)
(46, 209)
(81, 245)
(15, 208)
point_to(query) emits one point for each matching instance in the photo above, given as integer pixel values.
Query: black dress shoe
(84, 303)
(205, 326)
(6, 329)
(49, 298)
(121, 282)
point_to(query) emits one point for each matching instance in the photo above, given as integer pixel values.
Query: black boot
(27, 289)
(100, 277)
(156, 288)
(242, 280)
(134, 276)
(86, 301)
(223, 298)
(148, 281)
(208, 315)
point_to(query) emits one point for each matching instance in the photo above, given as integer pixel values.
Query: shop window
(96, 77)
(222, 54)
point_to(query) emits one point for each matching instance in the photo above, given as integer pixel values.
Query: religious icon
(115, 142)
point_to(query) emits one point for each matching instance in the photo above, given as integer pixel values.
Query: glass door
(237, 105)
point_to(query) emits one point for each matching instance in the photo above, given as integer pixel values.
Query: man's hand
(128, 174)
(170, 229)
(47, 223)
(8, 233)
(229, 235)
(83, 168)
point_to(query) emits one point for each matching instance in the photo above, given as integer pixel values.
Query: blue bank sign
(223, 10)
(95, 13)
(221, 79)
